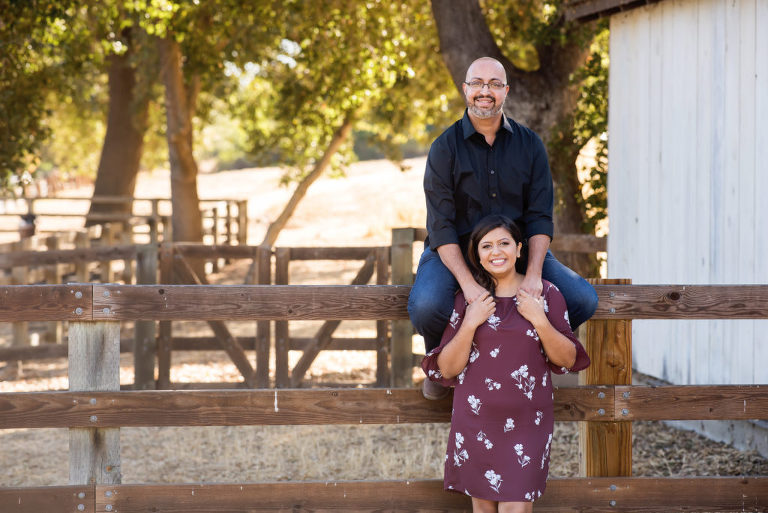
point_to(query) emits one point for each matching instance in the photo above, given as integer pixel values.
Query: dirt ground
(358, 210)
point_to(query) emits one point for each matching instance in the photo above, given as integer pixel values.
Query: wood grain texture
(250, 302)
(682, 302)
(46, 302)
(562, 495)
(48, 499)
(259, 407)
(692, 402)
(67, 256)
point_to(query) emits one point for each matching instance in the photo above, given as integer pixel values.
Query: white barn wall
(688, 182)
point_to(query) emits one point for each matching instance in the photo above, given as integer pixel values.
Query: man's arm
(537, 250)
(452, 258)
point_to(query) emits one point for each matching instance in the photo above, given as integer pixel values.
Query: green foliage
(591, 125)
(374, 60)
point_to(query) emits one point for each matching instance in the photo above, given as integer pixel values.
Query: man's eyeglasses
(496, 85)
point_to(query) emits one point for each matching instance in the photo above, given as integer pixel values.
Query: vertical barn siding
(688, 187)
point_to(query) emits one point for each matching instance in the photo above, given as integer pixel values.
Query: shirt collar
(469, 128)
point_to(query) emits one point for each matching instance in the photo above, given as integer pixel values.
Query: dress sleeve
(429, 363)
(557, 313)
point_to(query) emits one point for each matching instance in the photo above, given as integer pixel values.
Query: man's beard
(482, 113)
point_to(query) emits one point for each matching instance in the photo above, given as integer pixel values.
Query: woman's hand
(532, 308)
(479, 310)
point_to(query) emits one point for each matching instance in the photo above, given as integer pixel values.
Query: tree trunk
(544, 100)
(341, 135)
(179, 105)
(124, 139)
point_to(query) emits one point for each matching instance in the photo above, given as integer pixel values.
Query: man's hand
(532, 284)
(473, 291)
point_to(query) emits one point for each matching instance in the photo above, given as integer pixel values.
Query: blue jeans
(431, 300)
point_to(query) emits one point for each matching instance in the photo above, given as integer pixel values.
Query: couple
(487, 164)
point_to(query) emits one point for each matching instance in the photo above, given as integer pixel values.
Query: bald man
(486, 163)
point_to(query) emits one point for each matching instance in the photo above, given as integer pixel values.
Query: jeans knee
(425, 309)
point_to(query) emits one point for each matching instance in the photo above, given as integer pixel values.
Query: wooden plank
(682, 302)
(263, 261)
(282, 330)
(220, 330)
(690, 402)
(606, 448)
(562, 495)
(259, 407)
(48, 499)
(145, 332)
(323, 336)
(334, 253)
(46, 303)
(383, 375)
(401, 345)
(94, 365)
(250, 302)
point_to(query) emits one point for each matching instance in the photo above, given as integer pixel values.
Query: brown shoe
(434, 391)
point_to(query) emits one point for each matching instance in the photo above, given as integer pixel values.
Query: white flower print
(544, 380)
(525, 382)
(565, 316)
(455, 318)
(475, 404)
(494, 321)
(461, 375)
(494, 479)
(459, 455)
(509, 426)
(546, 305)
(434, 374)
(546, 451)
(491, 384)
(495, 352)
(475, 354)
(530, 495)
(482, 437)
(538, 417)
(532, 333)
(522, 459)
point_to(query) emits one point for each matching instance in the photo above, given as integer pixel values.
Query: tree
(540, 52)
(345, 64)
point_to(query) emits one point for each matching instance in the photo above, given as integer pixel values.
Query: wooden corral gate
(94, 409)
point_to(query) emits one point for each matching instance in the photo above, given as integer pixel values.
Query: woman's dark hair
(482, 228)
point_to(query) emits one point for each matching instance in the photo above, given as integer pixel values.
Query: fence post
(82, 240)
(282, 333)
(402, 331)
(264, 277)
(165, 332)
(242, 222)
(53, 330)
(20, 276)
(605, 448)
(383, 376)
(144, 343)
(94, 365)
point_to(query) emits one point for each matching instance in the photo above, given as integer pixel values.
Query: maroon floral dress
(501, 427)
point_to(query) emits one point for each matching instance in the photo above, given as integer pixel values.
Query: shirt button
(493, 195)
(492, 171)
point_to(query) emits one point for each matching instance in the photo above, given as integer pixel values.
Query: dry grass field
(358, 210)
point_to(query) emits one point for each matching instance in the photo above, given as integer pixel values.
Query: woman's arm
(454, 356)
(559, 349)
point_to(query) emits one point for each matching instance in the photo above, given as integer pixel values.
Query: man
(486, 163)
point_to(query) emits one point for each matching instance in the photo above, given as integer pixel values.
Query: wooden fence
(225, 220)
(94, 409)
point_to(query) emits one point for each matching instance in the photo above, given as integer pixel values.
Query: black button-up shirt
(466, 180)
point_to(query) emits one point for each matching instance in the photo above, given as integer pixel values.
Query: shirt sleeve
(438, 190)
(537, 213)
(557, 313)
(429, 363)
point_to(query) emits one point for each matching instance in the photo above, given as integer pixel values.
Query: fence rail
(94, 409)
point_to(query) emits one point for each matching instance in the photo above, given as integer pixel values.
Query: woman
(498, 352)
